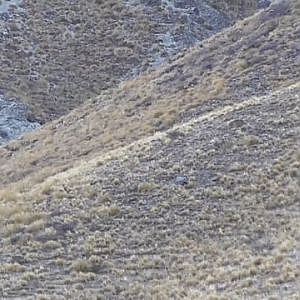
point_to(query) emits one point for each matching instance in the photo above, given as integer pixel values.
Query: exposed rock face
(186, 21)
(180, 24)
(13, 120)
(7, 4)
(14, 116)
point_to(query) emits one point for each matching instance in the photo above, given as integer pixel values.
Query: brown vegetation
(180, 184)
(123, 228)
(55, 55)
(208, 76)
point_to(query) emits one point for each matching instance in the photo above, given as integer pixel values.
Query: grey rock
(6, 5)
(237, 123)
(14, 120)
(197, 19)
(263, 3)
(181, 180)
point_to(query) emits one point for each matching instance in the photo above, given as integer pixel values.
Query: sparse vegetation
(182, 183)
(120, 40)
(206, 76)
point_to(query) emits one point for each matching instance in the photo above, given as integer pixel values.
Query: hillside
(257, 55)
(207, 208)
(182, 182)
(57, 54)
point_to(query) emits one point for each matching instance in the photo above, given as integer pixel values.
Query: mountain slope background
(55, 55)
(206, 77)
(181, 183)
(207, 209)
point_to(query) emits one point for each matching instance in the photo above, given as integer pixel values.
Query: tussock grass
(204, 76)
(100, 213)
(122, 40)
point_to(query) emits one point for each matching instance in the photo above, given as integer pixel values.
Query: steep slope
(180, 184)
(255, 56)
(206, 210)
(56, 54)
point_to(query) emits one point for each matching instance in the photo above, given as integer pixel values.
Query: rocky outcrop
(264, 3)
(6, 5)
(14, 120)
(236, 8)
(180, 24)
(14, 116)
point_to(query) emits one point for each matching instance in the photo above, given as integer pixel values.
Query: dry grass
(233, 233)
(120, 40)
(205, 77)
(97, 209)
